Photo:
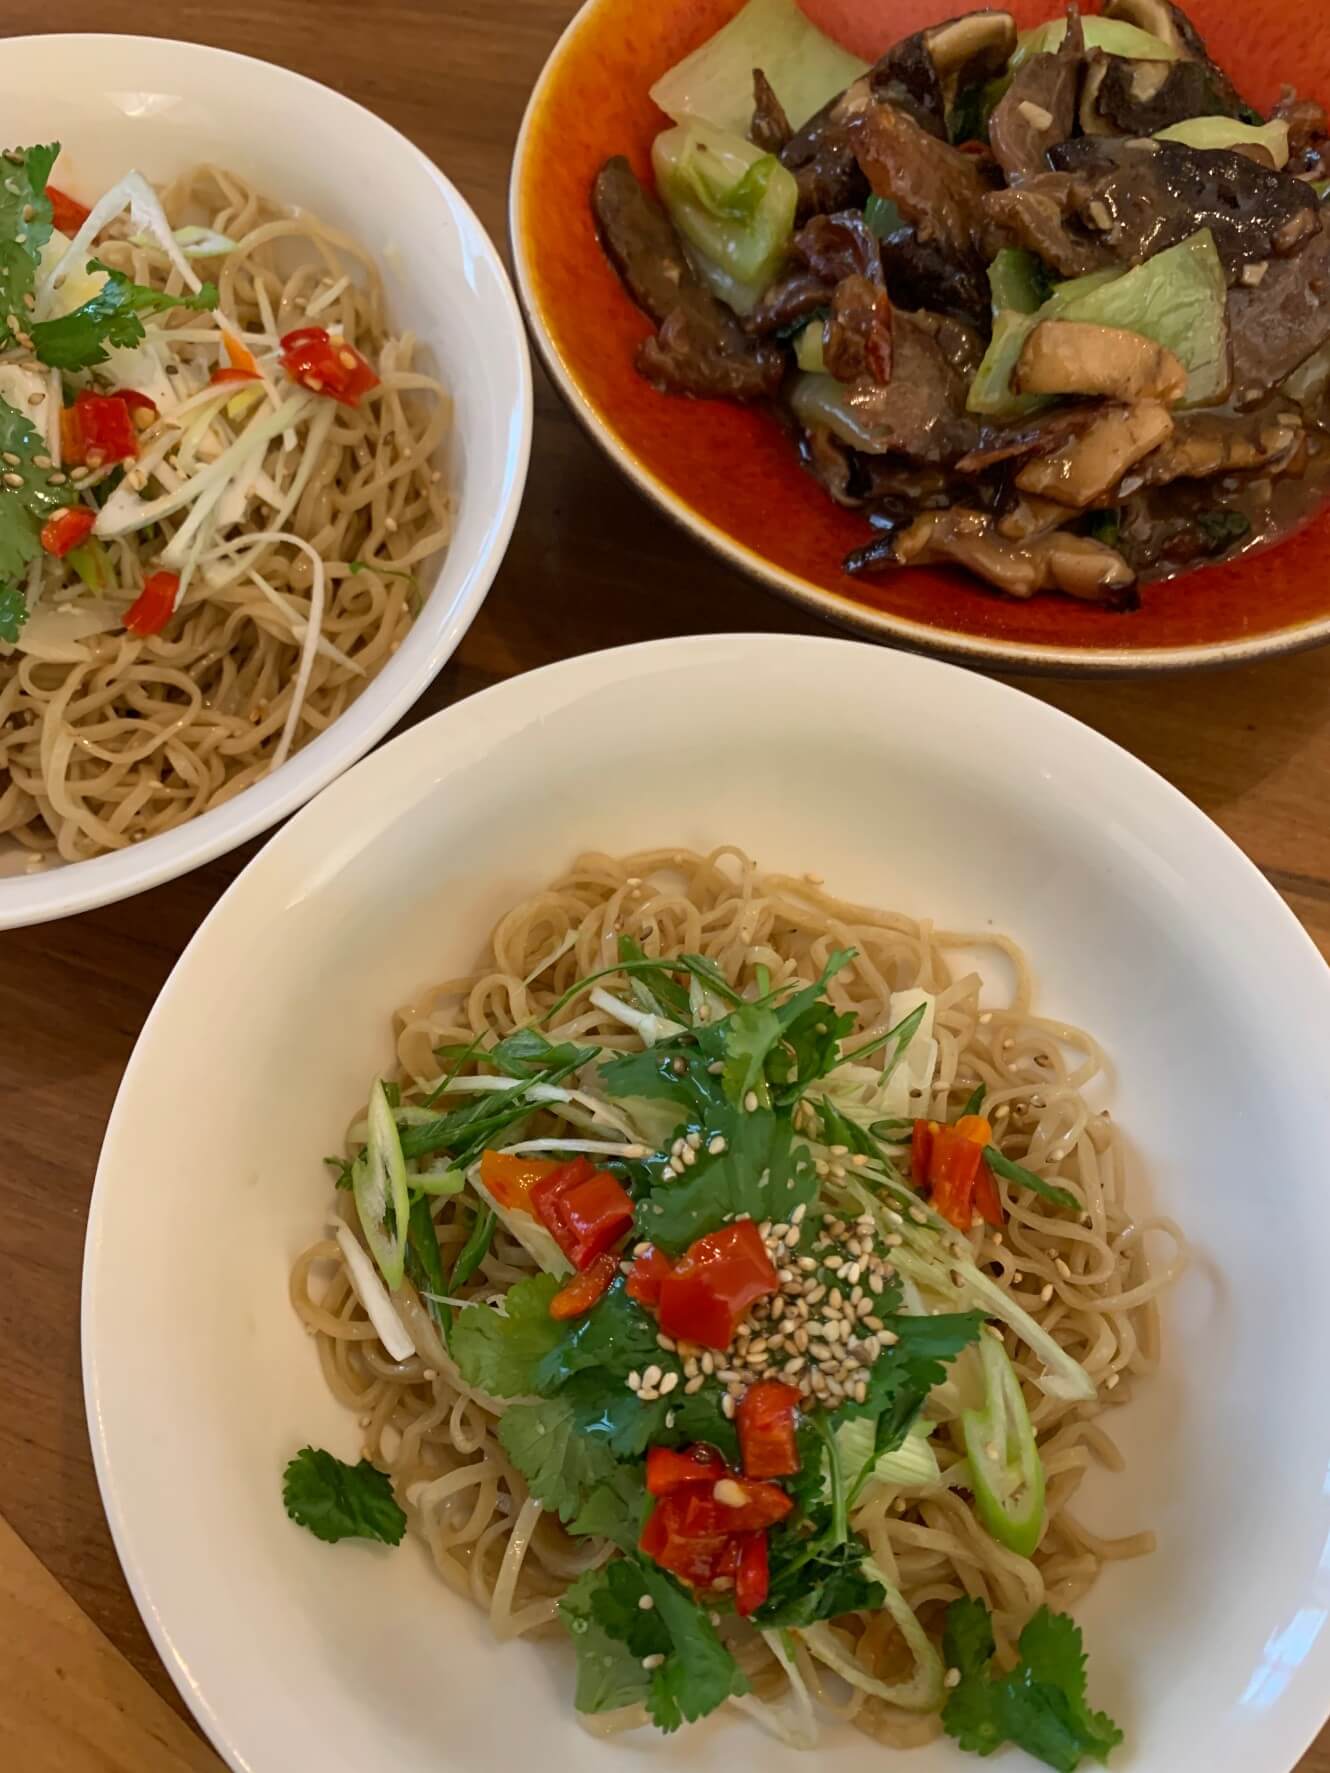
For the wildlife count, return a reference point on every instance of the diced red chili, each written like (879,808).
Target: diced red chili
(67,212)
(509,1178)
(325,365)
(767,1429)
(701,1513)
(948,1161)
(715,1283)
(648,1271)
(152,609)
(65,529)
(668,1469)
(585,1210)
(586,1289)
(987,1200)
(753,1582)
(697,1561)
(98,431)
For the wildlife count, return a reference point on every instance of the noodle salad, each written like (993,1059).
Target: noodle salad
(217,479)
(718,1279)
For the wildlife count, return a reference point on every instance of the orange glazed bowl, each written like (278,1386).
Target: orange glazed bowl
(730,474)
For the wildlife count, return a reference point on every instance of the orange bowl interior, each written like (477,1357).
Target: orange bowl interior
(734,467)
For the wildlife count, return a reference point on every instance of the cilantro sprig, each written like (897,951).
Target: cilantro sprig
(1039,1705)
(23,509)
(25,227)
(665,1654)
(108,320)
(340,1501)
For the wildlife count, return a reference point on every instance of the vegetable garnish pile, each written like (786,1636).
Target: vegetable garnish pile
(758,1315)
(1051,306)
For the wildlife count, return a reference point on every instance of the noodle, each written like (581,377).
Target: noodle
(1088,1281)
(119,738)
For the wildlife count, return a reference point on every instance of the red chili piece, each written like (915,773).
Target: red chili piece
(649,1269)
(767,1415)
(99,431)
(585,1210)
(152,609)
(67,212)
(324,365)
(722,1275)
(586,1289)
(65,529)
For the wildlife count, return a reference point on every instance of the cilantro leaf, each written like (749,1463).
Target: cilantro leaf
(612,1632)
(25,225)
(904,1374)
(1040,1705)
(110,318)
(609,1676)
(757,1174)
(750,1034)
(340,1501)
(698,1673)
(499,1352)
(13,605)
(614,1337)
(527,1054)
(23,509)
(807,1588)
(615,1509)
(561,1463)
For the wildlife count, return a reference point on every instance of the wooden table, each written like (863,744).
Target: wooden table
(592,565)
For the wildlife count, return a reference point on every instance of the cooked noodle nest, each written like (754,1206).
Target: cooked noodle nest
(107,739)
(1090,1282)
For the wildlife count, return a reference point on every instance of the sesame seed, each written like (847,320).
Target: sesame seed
(952,1678)
(652,1376)
(695,1384)
(797,1216)
(716,1145)
(669,1418)
(1062,1268)
(668,1383)
(649,1395)
(655,1660)
(1046,1293)
(750,1102)
(708,1362)
(919,1216)
(14,460)
(839,1150)
(1017,1278)
(797,1365)
(12,479)
(666,1342)
(645,1602)
(729,1494)
(727,1407)
(1111,1381)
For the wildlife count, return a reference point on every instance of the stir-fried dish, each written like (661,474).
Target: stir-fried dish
(1053,307)
(715,1276)
(218,478)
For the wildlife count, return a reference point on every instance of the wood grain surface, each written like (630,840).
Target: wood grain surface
(592,565)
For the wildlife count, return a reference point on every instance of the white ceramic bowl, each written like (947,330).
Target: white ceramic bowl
(905,783)
(160,106)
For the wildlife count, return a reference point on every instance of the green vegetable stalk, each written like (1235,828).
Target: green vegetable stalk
(733,205)
(1007,1472)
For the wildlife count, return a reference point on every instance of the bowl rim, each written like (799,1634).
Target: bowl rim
(1290,945)
(63,890)
(1032,658)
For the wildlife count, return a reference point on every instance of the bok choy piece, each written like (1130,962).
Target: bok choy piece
(1113,35)
(1007,1474)
(733,204)
(715,83)
(1178,299)
(380,1186)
